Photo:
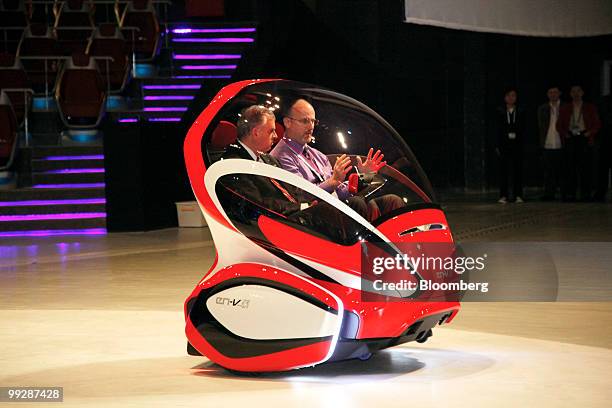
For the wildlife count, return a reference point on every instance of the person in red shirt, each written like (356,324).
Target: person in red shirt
(578,125)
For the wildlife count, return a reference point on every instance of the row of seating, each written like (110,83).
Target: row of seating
(37,65)
(74,27)
(22,12)
(80,91)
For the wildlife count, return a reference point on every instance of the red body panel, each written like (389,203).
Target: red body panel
(345,258)
(398,224)
(193,147)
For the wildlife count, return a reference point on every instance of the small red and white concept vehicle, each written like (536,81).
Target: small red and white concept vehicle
(285,289)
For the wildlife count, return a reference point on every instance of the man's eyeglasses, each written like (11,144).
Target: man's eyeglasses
(306,121)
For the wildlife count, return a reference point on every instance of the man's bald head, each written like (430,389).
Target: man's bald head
(300,122)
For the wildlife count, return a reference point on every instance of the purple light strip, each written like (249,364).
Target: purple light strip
(86,157)
(74,171)
(46,217)
(203,67)
(164,109)
(31,203)
(214,40)
(212,30)
(128,120)
(164,119)
(206,56)
(169,98)
(73,185)
(54,233)
(202,76)
(152,87)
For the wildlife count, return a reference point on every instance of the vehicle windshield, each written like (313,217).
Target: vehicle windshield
(345,126)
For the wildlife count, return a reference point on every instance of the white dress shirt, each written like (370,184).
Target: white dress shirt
(553,140)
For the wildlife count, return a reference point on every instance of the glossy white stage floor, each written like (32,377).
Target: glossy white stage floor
(101,317)
(137,358)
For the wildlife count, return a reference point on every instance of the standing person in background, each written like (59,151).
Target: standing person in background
(578,125)
(550,142)
(509,121)
(604,150)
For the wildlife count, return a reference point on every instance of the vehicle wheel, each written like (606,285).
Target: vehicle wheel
(365,357)
(423,337)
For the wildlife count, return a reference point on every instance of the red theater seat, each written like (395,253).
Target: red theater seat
(80,93)
(209,8)
(224,134)
(74,25)
(108,41)
(15,15)
(141,14)
(13,76)
(8,132)
(280,132)
(38,40)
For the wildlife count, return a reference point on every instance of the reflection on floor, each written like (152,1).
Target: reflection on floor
(101,316)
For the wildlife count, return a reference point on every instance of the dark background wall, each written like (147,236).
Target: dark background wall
(437,87)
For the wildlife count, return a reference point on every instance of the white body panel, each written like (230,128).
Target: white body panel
(264,313)
(243,166)
(244,250)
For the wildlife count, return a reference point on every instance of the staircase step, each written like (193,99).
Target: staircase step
(148,103)
(25,194)
(53,232)
(40,179)
(53,209)
(72,152)
(62,224)
(46,165)
(157,116)
(212,24)
(176,93)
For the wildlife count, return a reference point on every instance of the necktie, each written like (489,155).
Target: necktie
(313,164)
(278,185)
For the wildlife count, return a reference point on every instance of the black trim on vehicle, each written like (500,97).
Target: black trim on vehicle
(234,346)
(351,348)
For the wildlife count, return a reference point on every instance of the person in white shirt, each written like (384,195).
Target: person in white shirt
(550,142)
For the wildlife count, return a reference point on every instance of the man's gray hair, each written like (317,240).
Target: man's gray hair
(252,117)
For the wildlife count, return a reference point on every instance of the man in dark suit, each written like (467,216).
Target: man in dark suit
(256,132)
